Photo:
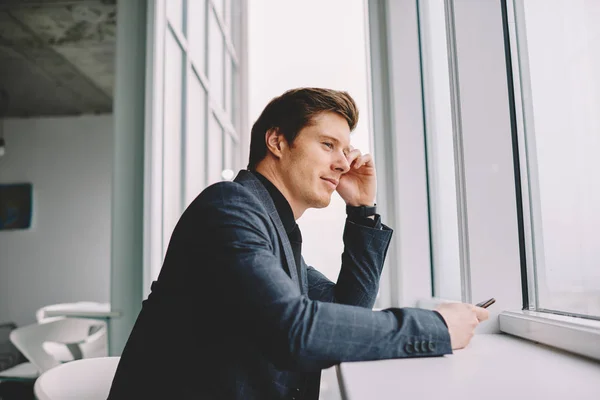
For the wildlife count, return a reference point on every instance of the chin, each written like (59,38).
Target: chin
(322,202)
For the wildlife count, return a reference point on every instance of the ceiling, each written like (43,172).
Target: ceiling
(56,57)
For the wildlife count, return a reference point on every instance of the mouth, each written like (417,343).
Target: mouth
(332,182)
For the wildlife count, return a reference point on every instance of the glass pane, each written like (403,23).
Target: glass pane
(561,98)
(440,152)
(215,59)
(234,25)
(195,139)
(197,33)
(228,146)
(228,5)
(219,6)
(215,150)
(172,137)
(228,83)
(235,104)
(175,14)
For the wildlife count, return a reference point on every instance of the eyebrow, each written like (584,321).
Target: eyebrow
(325,136)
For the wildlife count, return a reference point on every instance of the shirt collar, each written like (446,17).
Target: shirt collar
(281,204)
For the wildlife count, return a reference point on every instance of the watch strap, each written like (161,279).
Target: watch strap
(361,211)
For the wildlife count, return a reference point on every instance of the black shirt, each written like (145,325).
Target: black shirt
(287,218)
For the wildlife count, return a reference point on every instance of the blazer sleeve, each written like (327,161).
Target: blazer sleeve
(364,253)
(293,331)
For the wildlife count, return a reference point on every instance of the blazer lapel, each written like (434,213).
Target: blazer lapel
(247,179)
(287,248)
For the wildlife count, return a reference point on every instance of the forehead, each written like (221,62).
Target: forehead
(332,125)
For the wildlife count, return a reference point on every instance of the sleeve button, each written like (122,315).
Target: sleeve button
(417,347)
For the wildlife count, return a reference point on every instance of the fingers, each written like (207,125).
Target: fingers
(356,159)
(481,313)
(353,155)
(365,159)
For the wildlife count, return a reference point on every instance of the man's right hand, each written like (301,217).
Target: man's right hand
(462,319)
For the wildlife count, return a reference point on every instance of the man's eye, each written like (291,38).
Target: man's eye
(329,145)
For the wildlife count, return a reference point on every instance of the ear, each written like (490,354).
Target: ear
(275,142)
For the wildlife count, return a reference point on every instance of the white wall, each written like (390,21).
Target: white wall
(65,255)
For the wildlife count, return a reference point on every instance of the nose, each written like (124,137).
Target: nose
(341,163)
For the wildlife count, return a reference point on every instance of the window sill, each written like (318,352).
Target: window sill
(492,366)
(576,335)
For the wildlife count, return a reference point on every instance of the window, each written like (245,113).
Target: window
(196,96)
(172,136)
(558,52)
(469,212)
(201,65)
(442,156)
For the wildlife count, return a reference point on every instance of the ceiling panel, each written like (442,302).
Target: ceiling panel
(57,57)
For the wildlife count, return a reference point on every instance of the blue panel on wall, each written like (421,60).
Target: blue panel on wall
(15,206)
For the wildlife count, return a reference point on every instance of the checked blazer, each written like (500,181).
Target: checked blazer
(229,317)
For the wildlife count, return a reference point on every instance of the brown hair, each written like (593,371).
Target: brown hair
(294,110)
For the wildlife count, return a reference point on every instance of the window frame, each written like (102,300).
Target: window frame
(233,122)
(399,150)
(575,334)
(497,231)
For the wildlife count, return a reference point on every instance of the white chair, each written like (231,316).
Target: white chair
(83,306)
(78,337)
(96,345)
(30,339)
(88,379)
(26,372)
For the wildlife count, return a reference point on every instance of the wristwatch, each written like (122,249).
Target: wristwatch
(361,211)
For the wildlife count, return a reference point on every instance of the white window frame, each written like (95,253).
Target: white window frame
(574,334)
(157,27)
(496,253)
(153,157)
(399,150)
(483,110)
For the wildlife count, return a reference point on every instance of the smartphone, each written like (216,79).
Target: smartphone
(487,303)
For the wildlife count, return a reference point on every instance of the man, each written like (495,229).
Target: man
(237,314)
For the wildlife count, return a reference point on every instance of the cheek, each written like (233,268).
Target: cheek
(306,169)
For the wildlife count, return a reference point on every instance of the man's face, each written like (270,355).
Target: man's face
(311,168)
